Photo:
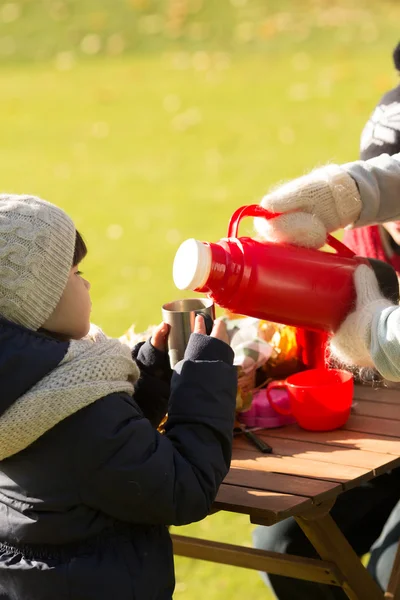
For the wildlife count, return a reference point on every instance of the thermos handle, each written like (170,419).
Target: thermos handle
(250,210)
(255,210)
(339,246)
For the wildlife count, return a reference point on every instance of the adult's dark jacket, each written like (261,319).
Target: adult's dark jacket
(381,133)
(84,509)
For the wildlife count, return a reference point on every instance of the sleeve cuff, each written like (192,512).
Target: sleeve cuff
(151,357)
(204,347)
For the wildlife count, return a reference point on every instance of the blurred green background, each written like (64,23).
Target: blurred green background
(152,121)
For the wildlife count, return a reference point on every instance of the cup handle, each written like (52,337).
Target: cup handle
(273,386)
(208,321)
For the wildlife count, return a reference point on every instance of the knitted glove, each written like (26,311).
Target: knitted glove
(325,200)
(351,343)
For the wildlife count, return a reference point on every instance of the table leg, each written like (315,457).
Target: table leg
(332,546)
(393,590)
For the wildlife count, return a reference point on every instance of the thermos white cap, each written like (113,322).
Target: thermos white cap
(192,265)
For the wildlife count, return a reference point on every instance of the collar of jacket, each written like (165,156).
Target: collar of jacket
(26,356)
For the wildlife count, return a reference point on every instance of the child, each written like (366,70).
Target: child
(87,484)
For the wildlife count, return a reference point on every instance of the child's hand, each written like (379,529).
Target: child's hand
(219,330)
(199,325)
(160,337)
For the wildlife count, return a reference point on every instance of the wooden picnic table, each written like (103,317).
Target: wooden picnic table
(302,478)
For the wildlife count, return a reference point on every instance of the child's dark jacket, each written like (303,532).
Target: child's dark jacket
(84,509)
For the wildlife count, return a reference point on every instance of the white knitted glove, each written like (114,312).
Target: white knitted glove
(351,343)
(328,195)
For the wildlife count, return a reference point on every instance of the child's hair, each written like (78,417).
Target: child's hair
(80,250)
(79,254)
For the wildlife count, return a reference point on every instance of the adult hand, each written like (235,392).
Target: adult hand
(160,337)
(322,201)
(220,331)
(351,343)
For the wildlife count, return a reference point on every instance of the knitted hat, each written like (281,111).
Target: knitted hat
(37,244)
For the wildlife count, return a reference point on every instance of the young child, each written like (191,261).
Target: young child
(87,484)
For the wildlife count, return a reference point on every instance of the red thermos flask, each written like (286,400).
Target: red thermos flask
(288,284)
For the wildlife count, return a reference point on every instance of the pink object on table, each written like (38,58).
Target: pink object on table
(261,413)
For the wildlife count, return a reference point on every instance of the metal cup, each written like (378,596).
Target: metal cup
(180,315)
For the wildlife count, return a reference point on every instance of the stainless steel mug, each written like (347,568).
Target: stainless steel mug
(180,315)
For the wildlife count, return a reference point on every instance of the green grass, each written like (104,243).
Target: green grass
(164,139)
(195,579)
(144,155)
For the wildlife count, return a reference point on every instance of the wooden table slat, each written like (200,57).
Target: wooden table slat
(377,394)
(286,484)
(380,410)
(273,506)
(344,474)
(341,438)
(373,425)
(318,452)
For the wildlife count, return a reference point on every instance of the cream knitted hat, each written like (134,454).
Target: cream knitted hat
(37,244)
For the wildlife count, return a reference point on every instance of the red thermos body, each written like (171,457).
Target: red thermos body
(310,289)
(278,282)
